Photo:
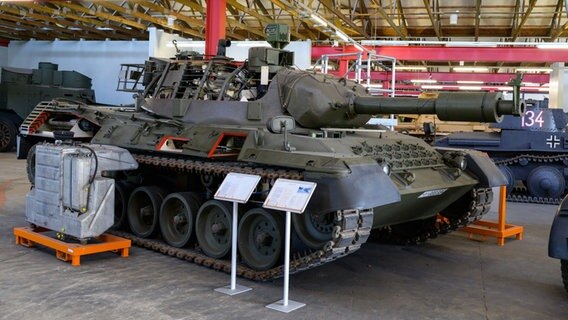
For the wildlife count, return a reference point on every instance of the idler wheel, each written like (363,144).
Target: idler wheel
(315,230)
(261,238)
(213,228)
(546,182)
(122,191)
(508,173)
(177,217)
(143,207)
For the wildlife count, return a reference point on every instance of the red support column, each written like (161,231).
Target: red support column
(216,19)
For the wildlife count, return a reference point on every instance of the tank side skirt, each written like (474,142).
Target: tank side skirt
(353,226)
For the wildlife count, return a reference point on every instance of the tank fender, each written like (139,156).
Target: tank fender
(367,186)
(11,116)
(482,167)
(558,240)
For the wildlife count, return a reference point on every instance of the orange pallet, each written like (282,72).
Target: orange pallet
(499,229)
(65,251)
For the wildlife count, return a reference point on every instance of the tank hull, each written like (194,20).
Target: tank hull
(200,120)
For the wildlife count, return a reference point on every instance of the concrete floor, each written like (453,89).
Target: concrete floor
(451,277)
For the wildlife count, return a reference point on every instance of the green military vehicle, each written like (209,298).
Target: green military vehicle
(201,118)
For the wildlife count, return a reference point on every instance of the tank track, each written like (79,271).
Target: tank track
(351,231)
(521,194)
(416,232)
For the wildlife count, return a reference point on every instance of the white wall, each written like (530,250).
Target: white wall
(161,46)
(99,60)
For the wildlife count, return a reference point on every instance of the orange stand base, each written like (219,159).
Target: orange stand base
(499,229)
(64,251)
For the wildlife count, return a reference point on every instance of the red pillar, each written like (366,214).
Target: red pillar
(215,24)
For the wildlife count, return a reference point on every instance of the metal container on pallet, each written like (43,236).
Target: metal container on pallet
(70,193)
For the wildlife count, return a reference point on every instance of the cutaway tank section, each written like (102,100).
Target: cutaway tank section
(22,89)
(202,118)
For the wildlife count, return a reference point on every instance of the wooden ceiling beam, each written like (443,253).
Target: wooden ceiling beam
(329,4)
(260,17)
(262,8)
(29,31)
(55,23)
(20,34)
(54,12)
(477,18)
(104,15)
(555,23)
(402,24)
(517,30)
(144,17)
(433,20)
(366,18)
(59,9)
(193,5)
(290,8)
(398,31)
(103,23)
(36,25)
(189,21)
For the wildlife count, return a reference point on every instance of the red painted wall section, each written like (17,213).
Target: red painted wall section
(4,42)
(441,53)
(216,20)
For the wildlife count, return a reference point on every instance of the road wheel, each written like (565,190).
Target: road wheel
(7,135)
(213,228)
(143,208)
(261,238)
(177,217)
(546,182)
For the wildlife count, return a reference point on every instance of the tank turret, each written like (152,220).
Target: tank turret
(317,101)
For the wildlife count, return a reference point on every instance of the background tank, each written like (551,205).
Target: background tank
(22,89)
(200,119)
(531,151)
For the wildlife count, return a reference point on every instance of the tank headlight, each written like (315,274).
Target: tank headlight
(386,168)
(456,160)
(461,162)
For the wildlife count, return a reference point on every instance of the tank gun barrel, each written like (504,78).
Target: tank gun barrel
(462,106)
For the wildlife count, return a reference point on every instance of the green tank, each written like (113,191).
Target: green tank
(200,119)
(22,89)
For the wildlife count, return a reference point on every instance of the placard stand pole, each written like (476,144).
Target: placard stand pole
(234,289)
(286,305)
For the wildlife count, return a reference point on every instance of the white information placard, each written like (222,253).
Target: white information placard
(290,195)
(237,187)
